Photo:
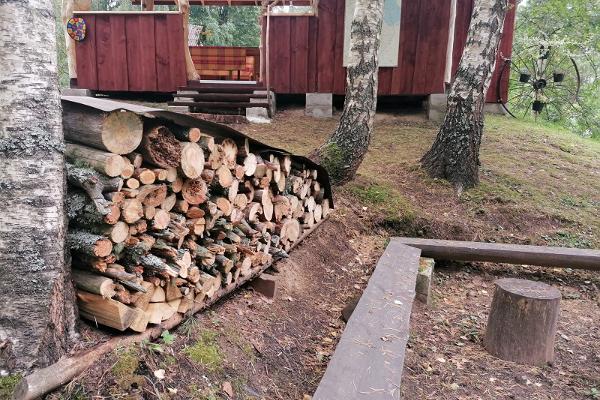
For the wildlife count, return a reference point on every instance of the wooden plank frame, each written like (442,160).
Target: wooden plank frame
(369,359)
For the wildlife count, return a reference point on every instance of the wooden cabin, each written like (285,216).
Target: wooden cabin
(299,53)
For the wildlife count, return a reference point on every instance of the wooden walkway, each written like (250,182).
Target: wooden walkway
(368,361)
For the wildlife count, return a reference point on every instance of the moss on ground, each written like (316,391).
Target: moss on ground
(124,369)
(8,384)
(206,351)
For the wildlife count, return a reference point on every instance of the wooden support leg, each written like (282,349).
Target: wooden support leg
(184,8)
(68,7)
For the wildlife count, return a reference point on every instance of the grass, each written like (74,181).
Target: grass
(8,384)
(206,352)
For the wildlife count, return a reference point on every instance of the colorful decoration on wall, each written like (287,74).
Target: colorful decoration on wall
(76,28)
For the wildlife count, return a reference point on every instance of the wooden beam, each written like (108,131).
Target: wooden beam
(368,361)
(217,104)
(506,253)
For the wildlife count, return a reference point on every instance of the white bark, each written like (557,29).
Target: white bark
(346,148)
(37,313)
(455,153)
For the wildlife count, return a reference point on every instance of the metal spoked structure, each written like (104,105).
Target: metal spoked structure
(543,83)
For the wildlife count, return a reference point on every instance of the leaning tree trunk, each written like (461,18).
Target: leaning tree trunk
(37,315)
(455,153)
(344,151)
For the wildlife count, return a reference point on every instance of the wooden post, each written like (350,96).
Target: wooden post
(523,321)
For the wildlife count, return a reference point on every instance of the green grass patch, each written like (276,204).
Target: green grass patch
(206,351)
(397,214)
(8,384)
(568,239)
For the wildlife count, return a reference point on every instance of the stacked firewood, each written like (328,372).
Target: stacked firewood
(163,217)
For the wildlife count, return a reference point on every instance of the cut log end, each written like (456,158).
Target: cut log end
(523,321)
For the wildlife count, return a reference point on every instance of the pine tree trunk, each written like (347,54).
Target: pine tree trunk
(455,153)
(37,315)
(346,148)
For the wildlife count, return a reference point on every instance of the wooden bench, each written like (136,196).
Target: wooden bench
(232,63)
(506,253)
(368,361)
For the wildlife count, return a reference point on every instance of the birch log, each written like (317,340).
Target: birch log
(344,151)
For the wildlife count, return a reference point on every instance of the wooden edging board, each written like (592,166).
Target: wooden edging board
(506,253)
(368,360)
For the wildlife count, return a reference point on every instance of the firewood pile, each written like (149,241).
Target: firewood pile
(164,217)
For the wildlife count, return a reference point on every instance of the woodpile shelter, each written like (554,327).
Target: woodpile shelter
(303,49)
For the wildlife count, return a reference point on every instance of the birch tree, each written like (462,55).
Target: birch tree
(37,312)
(455,153)
(344,151)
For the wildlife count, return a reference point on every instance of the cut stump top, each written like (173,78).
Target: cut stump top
(528,289)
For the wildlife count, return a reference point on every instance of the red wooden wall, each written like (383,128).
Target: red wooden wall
(307,52)
(136,52)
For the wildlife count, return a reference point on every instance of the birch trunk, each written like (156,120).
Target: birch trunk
(455,153)
(344,151)
(37,315)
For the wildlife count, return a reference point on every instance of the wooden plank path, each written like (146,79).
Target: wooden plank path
(506,253)
(368,361)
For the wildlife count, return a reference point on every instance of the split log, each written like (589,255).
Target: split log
(523,321)
(118,132)
(141,320)
(152,195)
(192,160)
(224,175)
(132,210)
(103,311)
(158,295)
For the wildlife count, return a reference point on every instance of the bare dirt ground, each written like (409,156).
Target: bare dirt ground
(538,186)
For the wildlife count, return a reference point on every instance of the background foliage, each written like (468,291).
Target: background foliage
(574,27)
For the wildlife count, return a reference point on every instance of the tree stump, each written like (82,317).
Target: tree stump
(523,321)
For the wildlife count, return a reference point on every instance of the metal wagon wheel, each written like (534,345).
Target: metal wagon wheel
(543,83)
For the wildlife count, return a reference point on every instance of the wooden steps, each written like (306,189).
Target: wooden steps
(368,360)
(221,98)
